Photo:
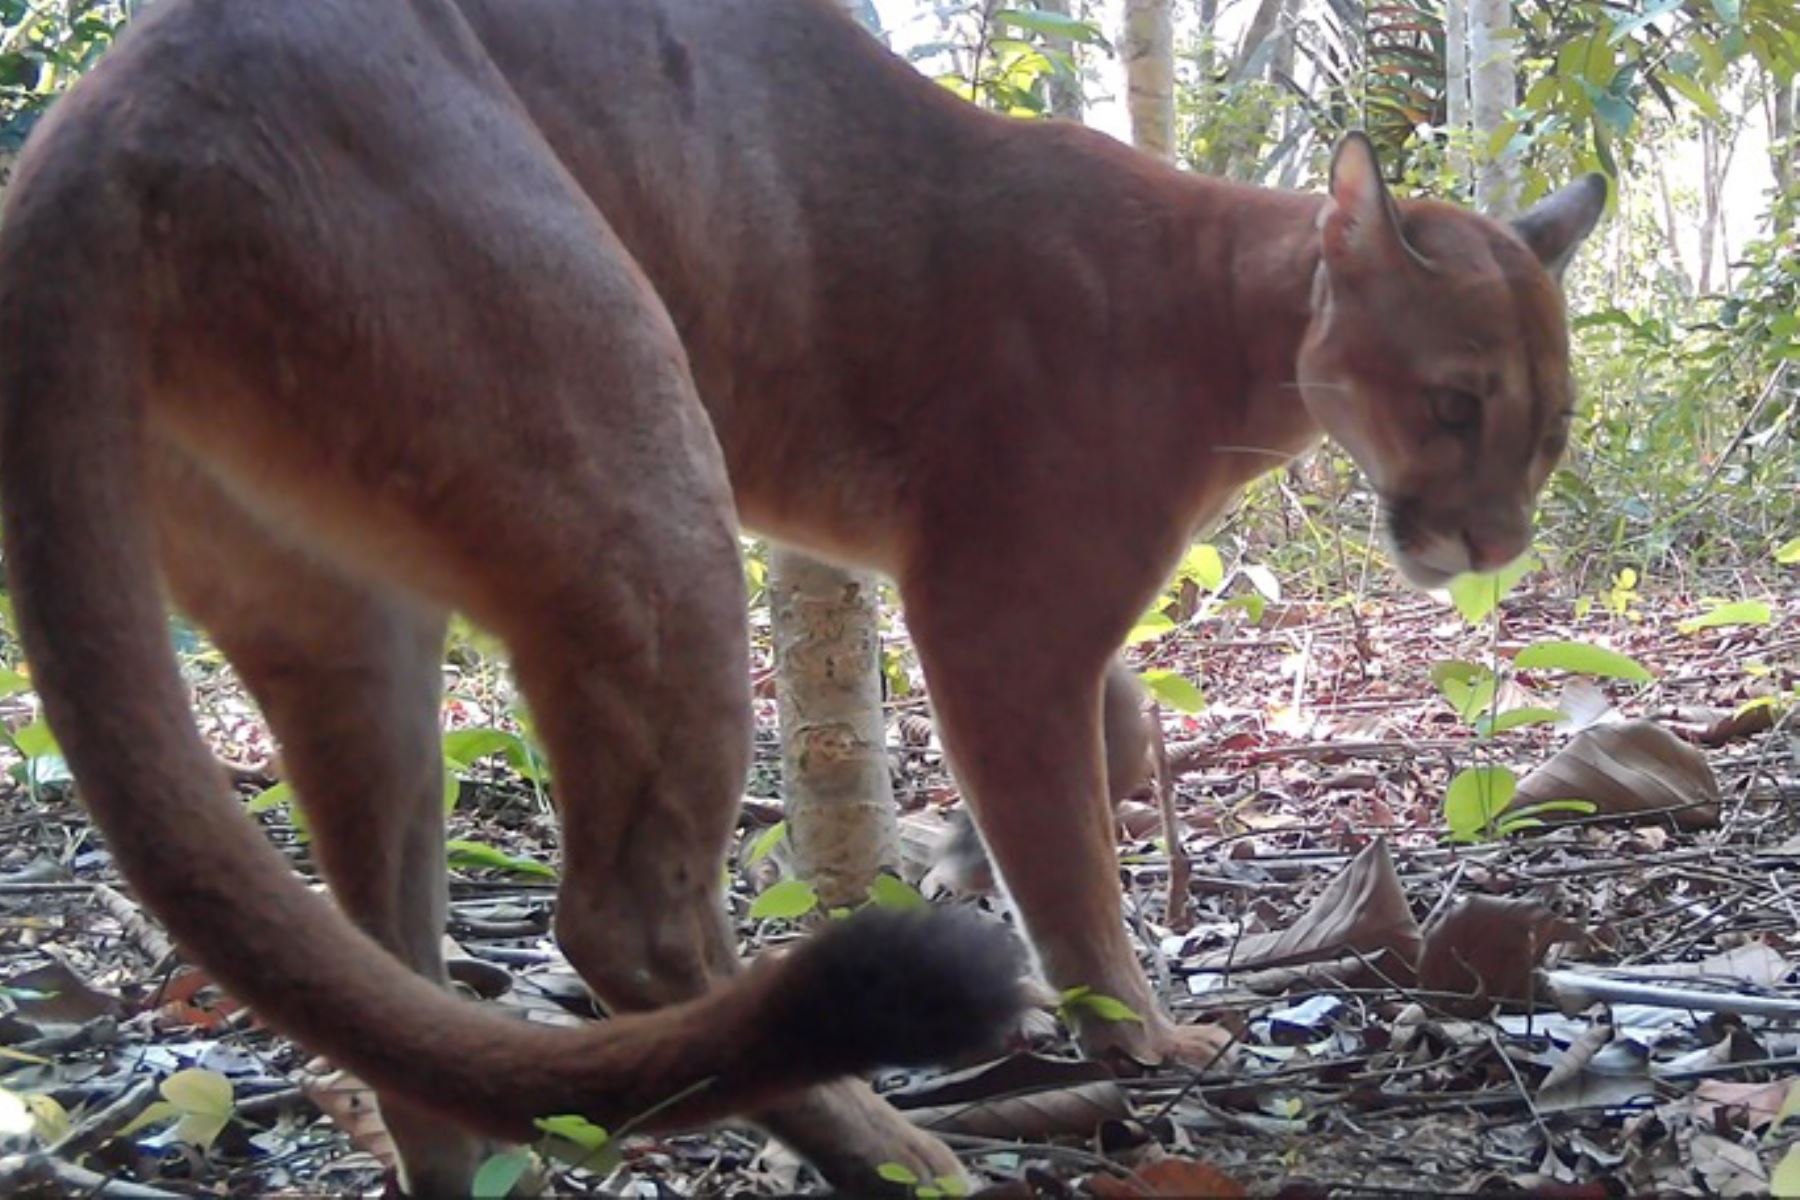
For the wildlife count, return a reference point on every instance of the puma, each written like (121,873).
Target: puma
(335,317)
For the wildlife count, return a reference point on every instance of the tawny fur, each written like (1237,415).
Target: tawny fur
(342,315)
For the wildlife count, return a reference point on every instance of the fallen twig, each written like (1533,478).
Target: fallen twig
(1180,868)
(41,1175)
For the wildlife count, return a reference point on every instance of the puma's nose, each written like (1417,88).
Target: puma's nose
(1489,550)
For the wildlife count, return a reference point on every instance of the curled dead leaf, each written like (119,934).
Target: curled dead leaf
(1363,910)
(1625,768)
(350,1104)
(1488,949)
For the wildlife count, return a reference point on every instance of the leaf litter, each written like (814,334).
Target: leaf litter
(1604,1003)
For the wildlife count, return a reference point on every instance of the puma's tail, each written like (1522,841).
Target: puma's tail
(74,373)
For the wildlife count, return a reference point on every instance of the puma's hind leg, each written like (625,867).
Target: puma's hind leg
(348,675)
(646,719)
(1026,744)
(963,866)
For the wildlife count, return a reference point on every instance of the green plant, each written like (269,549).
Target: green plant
(1004,58)
(936,1189)
(1478,804)
(200,1103)
(1076,1001)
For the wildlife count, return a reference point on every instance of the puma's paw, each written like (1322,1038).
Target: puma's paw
(849,1133)
(1158,1042)
(1201,1047)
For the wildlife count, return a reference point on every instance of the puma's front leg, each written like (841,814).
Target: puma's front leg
(1020,714)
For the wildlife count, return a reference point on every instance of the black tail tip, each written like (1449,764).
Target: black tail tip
(888,988)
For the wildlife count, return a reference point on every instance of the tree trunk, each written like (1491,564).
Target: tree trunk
(1263,23)
(1065,92)
(1782,151)
(1718,146)
(1206,47)
(1672,229)
(1493,88)
(834,765)
(834,768)
(1456,88)
(1148,49)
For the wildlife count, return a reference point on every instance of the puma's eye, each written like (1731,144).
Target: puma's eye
(1456,410)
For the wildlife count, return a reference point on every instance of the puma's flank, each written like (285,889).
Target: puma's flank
(336,316)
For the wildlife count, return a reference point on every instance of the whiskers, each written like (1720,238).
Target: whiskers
(1297,386)
(1266,451)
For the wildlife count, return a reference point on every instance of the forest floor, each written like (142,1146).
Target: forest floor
(1606,1004)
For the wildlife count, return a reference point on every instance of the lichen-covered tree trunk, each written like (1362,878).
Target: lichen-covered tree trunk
(1148,48)
(1493,88)
(1456,86)
(834,767)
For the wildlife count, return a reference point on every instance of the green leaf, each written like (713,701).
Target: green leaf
(1584,808)
(1079,999)
(1517,718)
(12,683)
(1253,605)
(895,1172)
(765,843)
(1475,798)
(1476,596)
(1150,626)
(785,900)
(271,797)
(465,747)
(36,741)
(1175,690)
(1051,24)
(1469,688)
(471,856)
(199,1091)
(1788,554)
(1582,658)
(1631,25)
(1784,1181)
(1741,612)
(155,1113)
(577,1129)
(499,1174)
(1203,565)
(202,1103)
(890,891)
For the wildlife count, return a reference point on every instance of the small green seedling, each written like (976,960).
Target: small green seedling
(1077,1001)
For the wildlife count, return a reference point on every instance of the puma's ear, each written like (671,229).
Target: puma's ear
(1360,225)
(1559,223)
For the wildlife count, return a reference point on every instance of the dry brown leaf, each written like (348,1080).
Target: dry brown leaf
(54,992)
(1488,949)
(1753,1105)
(350,1103)
(1581,1051)
(1739,725)
(1169,1177)
(1364,909)
(1727,1168)
(1002,1077)
(1065,1112)
(1624,768)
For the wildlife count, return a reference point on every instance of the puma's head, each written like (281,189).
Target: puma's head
(1438,357)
